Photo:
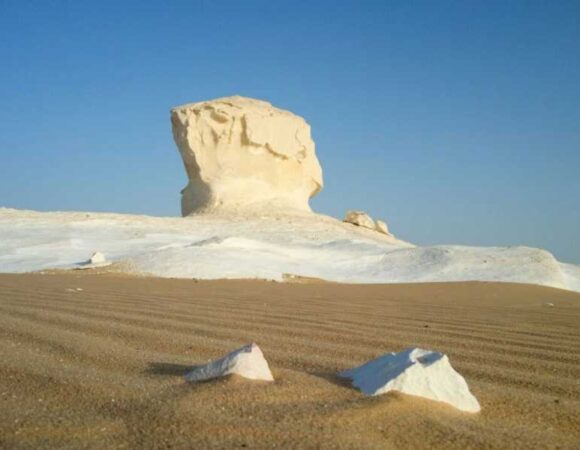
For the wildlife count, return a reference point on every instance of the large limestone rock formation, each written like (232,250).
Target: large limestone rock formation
(242,154)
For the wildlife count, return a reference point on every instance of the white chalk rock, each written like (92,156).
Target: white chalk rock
(240,153)
(247,362)
(97,259)
(417,372)
(381,227)
(360,218)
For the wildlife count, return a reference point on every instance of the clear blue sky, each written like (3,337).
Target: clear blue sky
(456,122)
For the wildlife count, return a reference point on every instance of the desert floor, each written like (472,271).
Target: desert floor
(103,367)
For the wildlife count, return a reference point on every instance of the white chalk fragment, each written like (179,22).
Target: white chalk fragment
(97,259)
(414,371)
(247,362)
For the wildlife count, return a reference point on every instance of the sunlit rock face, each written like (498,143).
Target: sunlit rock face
(247,362)
(244,154)
(423,373)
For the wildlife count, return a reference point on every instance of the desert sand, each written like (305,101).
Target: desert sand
(97,361)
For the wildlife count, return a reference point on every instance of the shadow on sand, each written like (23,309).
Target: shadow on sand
(169,369)
(333,378)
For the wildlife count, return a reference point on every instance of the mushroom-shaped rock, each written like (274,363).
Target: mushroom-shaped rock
(360,218)
(240,153)
(247,362)
(414,371)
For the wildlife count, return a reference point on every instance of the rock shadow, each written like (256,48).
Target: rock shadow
(169,369)
(334,378)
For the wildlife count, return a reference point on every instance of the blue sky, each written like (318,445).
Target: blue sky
(456,122)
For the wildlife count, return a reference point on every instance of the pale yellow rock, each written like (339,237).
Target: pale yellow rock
(360,218)
(381,227)
(243,154)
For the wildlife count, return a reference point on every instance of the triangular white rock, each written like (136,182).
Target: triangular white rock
(414,371)
(247,362)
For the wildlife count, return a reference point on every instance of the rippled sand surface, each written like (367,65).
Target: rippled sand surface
(96,361)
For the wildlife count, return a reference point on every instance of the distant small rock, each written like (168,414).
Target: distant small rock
(381,227)
(247,362)
(414,371)
(97,259)
(360,218)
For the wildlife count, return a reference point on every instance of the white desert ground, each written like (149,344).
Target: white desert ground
(113,326)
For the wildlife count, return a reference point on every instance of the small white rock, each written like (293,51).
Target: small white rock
(414,371)
(97,258)
(247,362)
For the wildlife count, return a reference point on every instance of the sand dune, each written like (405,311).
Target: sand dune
(102,367)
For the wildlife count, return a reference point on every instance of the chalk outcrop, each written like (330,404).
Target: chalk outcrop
(247,362)
(415,371)
(362,219)
(240,153)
